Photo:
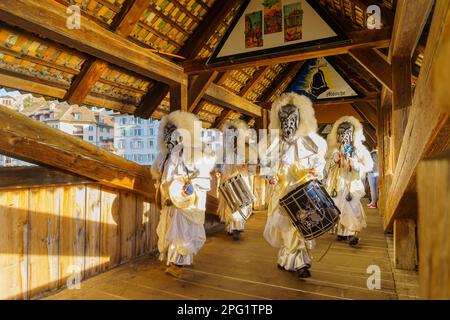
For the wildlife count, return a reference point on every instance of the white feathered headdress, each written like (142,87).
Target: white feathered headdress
(358,139)
(308,122)
(190,125)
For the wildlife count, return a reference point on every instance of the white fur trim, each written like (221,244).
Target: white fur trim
(358,138)
(308,122)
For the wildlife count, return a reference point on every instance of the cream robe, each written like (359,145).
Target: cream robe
(294,252)
(181,232)
(352,219)
(234,220)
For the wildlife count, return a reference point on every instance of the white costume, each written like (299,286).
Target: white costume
(233,165)
(181,230)
(341,181)
(292,167)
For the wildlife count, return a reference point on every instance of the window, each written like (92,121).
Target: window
(151,144)
(123,120)
(123,132)
(121,144)
(101,129)
(91,128)
(108,130)
(91,138)
(77,116)
(151,131)
(139,144)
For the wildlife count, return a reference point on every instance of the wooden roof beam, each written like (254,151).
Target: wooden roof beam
(90,73)
(359,39)
(29,84)
(254,80)
(220,120)
(289,71)
(367,113)
(48,19)
(375,65)
(190,50)
(32,141)
(206,28)
(198,88)
(223,97)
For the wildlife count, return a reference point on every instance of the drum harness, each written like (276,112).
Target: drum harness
(284,147)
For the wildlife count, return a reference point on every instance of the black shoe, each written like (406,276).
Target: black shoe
(280,267)
(236,235)
(341,238)
(303,273)
(353,241)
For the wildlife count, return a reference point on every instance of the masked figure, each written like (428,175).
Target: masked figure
(348,160)
(294,157)
(236,160)
(182,183)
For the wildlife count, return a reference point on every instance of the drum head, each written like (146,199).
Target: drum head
(311,209)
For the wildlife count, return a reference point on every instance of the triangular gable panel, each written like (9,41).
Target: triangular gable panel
(319,80)
(273,27)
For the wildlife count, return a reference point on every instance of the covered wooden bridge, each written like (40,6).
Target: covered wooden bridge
(84,212)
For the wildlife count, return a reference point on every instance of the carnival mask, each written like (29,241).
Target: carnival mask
(171,136)
(289,122)
(345,133)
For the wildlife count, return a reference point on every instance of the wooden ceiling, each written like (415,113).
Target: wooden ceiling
(47,64)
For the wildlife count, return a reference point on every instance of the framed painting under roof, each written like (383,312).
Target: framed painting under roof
(321,81)
(288,26)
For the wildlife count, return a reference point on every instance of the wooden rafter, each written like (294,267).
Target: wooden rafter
(85,80)
(48,19)
(125,21)
(152,100)
(223,97)
(289,71)
(198,88)
(206,28)
(29,84)
(367,112)
(375,65)
(190,49)
(254,80)
(220,120)
(359,39)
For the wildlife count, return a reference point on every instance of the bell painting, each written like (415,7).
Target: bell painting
(293,21)
(273,16)
(318,80)
(253,30)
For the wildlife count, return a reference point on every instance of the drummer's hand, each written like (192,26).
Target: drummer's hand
(337,157)
(168,203)
(273,180)
(313,172)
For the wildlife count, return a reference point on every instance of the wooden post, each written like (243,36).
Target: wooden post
(433,181)
(178,97)
(405,249)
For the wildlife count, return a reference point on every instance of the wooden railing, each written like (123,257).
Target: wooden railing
(57,228)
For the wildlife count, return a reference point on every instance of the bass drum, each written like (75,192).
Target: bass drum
(311,209)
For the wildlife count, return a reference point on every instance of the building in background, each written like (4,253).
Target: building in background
(78,121)
(136,139)
(8,101)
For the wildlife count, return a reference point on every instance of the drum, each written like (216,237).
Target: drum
(237,194)
(311,209)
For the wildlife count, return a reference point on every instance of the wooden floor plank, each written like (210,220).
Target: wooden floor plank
(246,269)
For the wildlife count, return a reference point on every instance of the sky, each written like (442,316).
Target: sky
(3,92)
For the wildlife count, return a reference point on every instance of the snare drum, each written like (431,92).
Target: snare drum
(311,209)
(237,194)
